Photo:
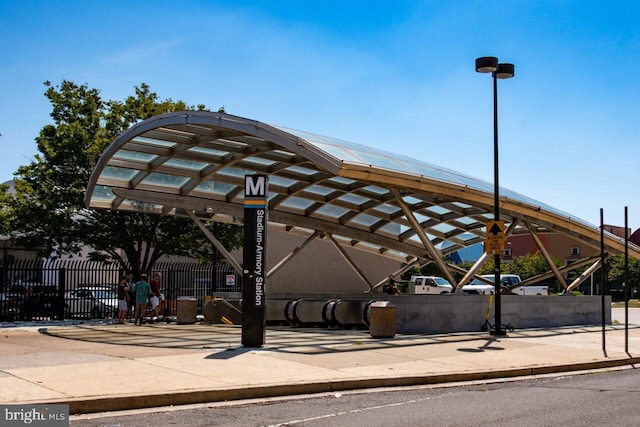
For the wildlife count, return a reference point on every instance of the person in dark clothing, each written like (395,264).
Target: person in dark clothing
(393,289)
(131,298)
(142,292)
(123,294)
(155,297)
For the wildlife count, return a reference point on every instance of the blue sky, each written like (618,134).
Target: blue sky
(397,76)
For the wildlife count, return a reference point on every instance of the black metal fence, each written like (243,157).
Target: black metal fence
(63,289)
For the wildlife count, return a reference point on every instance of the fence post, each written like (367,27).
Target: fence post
(3,275)
(61,291)
(167,282)
(218,278)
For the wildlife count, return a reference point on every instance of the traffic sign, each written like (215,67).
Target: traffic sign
(494,237)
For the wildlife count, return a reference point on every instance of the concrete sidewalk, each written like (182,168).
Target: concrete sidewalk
(105,367)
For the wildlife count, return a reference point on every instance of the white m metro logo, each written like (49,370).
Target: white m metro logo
(255,186)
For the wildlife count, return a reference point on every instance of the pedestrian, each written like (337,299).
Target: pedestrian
(123,295)
(155,295)
(394,290)
(131,298)
(142,292)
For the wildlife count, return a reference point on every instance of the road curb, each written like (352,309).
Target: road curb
(126,402)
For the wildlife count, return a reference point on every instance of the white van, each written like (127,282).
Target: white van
(480,287)
(434,285)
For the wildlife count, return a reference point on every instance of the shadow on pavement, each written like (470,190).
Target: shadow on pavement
(224,337)
(282,339)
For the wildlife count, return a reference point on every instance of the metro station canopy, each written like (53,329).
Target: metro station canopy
(193,163)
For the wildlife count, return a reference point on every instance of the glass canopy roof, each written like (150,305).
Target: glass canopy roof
(360,196)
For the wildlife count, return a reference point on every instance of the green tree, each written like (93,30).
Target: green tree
(5,210)
(526,266)
(531,265)
(616,272)
(49,209)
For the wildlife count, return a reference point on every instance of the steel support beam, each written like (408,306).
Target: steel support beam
(396,273)
(435,255)
(581,278)
(350,261)
(292,254)
(473,270)
(209,235)
(546,255)
(234,211)
(549,274)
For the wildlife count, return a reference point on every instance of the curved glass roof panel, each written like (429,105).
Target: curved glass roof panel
(235,172)
(207,151)
(331,211)
(153,141)
(281,181)
(297,203)
(366,220)
(164,180)
(369,197)
(113,172)
(354,199)
(133,156)
(319,189)
(102,192)
(186,164)
(386,209)
(215,187)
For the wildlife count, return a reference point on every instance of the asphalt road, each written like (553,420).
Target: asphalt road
(603,398)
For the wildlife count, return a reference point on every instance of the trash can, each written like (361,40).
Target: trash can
(186,310)
(382,319)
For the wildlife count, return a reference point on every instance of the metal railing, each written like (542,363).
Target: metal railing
(40,289)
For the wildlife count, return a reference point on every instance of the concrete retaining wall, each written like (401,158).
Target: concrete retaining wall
(434,314)
(467,313)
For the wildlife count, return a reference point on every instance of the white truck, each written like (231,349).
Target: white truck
(423,285)
(481,287)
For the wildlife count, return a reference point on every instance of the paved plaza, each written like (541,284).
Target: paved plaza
(97,367)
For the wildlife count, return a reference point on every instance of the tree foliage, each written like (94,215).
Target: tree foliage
(616,271)
(49,211)
(5,210)
(525,266)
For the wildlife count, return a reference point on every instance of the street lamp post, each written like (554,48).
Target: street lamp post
(489,64)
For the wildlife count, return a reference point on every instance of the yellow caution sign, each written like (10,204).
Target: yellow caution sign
(494,237)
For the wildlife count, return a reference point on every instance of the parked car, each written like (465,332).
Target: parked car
(96,302)
(617,292)
(508,286)
(34,299)
(10,307)
(422,285)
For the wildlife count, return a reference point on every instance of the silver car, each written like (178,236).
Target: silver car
(95,302)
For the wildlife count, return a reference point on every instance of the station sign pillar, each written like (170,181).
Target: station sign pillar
(254,277)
